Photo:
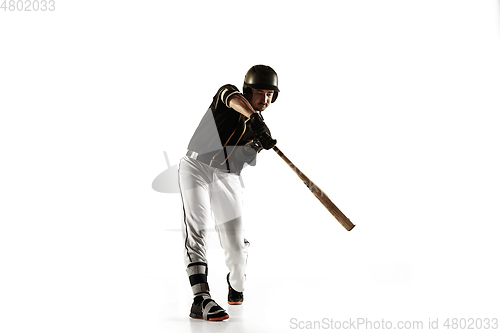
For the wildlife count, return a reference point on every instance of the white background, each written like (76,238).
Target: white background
(391,107)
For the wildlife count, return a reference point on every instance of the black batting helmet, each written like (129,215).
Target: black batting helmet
(261,77)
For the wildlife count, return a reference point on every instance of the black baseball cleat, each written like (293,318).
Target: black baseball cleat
(205,308)
(234,297)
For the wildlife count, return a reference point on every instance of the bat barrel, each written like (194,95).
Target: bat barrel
(318,193)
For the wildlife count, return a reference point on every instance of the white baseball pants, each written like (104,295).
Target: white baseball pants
(210,194)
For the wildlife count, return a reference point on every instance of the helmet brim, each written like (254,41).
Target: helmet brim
(262,86)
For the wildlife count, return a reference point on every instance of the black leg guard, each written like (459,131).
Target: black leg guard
(197,273)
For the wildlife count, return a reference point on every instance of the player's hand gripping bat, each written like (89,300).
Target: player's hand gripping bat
(318,193)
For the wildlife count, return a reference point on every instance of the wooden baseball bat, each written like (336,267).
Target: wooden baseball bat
(318,193)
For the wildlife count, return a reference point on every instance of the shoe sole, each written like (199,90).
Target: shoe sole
(235,303)
(212,319)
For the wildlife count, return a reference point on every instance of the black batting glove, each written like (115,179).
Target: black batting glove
(267,141)
(257,124)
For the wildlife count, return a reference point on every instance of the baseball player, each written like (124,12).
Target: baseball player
(228,138)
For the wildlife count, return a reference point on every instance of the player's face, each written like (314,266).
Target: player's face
(261,99)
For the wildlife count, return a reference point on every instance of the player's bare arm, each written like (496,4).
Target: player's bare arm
(239,103)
